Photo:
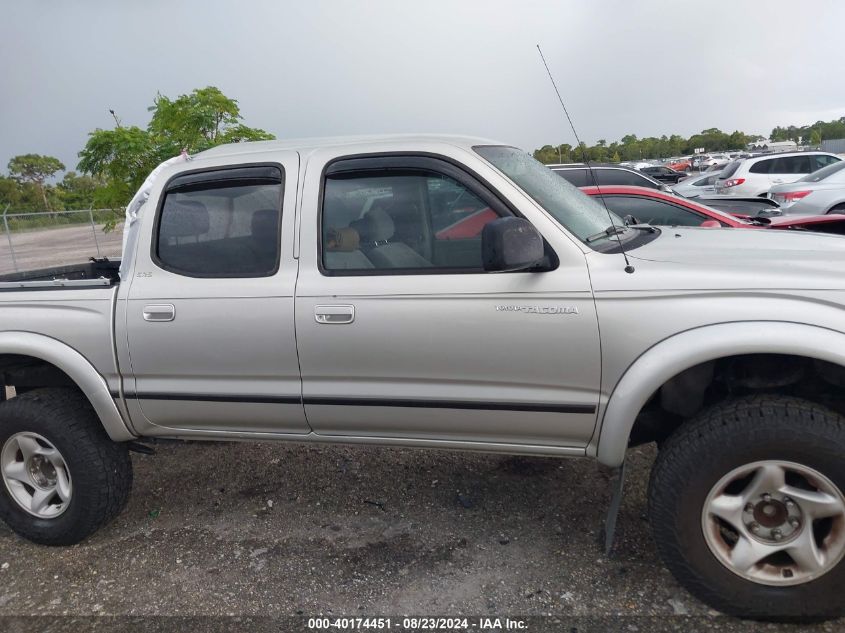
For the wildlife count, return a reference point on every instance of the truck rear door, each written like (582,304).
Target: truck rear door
(209,314)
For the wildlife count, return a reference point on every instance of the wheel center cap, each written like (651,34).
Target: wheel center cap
(770,513)
(773,519)
(43,473)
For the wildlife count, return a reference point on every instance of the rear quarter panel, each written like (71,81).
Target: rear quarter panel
(79,318)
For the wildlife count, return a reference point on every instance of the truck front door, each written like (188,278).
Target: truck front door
(403,335)
(209,315)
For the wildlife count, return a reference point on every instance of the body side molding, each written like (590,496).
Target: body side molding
(586,409)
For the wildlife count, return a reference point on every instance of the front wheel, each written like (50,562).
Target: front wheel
(62,477)
(747,508)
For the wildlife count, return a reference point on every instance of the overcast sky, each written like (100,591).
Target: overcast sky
(316,68)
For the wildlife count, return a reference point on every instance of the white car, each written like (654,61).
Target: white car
(755,176)
(709,160)
(698,185)
(637,164)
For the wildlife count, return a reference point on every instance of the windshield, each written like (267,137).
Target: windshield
(824,172)
(730,169)
(576,211)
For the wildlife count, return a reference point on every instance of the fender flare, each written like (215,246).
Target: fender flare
(681,351)
(78,369)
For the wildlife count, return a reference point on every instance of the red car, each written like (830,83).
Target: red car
(650,206)
(681,165)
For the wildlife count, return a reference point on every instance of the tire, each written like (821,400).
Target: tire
(100,470)
(839,208)
(729,438)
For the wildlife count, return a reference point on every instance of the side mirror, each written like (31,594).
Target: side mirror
(509,244)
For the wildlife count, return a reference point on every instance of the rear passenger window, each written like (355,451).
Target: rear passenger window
(761,167)
(608,177)
(823,161)
(791,165)
(412,221)
(224,223)
(576,177)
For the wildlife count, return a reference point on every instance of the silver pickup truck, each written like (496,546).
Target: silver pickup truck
(451,293)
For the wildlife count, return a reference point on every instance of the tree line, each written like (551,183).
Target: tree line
(631,148)
(114,162)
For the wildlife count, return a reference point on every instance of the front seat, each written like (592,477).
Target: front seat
(376,229)
(342,250)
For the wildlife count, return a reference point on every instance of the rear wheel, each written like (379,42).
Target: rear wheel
(747,508)
(839,208)
(63,477)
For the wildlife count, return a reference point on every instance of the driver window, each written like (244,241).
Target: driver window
(416,221)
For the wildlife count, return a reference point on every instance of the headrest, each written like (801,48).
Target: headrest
(185,218)
(343,240)
(264,223)
(379,225)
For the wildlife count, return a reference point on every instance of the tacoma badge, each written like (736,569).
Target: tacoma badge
(539,309)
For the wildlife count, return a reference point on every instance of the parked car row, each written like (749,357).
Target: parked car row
(805,183)
(647,206)
(638,196)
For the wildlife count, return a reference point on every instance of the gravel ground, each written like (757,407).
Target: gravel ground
(238,529)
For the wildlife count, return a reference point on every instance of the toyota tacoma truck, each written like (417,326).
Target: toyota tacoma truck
(324,291)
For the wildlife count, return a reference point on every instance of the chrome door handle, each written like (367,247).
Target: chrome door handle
(160,312)
(335,315)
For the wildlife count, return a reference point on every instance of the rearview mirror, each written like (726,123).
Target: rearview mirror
(509,244)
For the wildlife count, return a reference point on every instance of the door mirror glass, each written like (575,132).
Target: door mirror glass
(509,244)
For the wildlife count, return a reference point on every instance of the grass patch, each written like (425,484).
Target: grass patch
(58,219)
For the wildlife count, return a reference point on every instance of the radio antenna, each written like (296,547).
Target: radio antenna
(628,267)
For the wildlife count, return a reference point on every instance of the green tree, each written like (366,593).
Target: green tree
(77,191)
(199,120)
(632,148)
(35,169)
(551,154)
(122,158)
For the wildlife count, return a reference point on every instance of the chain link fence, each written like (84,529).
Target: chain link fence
(44,239)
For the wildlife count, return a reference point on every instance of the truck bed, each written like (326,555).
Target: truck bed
(93,273)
